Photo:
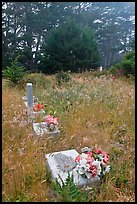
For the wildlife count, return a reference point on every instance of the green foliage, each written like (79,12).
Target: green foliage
(15,72)
(70,47)
(113,68)
(68,192)
(62,77)
(128,63)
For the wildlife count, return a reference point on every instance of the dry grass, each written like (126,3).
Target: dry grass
(92,112)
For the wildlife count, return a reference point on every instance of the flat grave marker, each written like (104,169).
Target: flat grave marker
(60,167)
(42,129)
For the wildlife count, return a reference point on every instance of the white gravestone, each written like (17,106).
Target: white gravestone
(100,69)
(29,95)
(42,129)
(59,166)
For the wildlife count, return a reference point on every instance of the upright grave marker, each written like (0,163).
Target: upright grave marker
(100,69)
(29,95)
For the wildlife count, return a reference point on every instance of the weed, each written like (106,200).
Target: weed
(69,192)
(92,111)
(62,77)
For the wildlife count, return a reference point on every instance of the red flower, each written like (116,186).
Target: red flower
(93,170)
(38,107)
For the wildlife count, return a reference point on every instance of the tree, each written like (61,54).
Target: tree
(26,25)
(70,47)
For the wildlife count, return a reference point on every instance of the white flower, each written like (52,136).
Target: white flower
(83,155)
(83,162)
(107,169)
(98,166)
(86,167)
(80,169)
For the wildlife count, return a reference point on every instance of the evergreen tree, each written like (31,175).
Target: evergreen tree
(70,47)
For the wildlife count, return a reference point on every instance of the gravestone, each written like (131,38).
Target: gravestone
(41,129)
(60,171)
(100,69)
(29,94)
(65,163)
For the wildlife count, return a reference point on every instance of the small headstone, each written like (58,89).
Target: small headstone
(65,163)
(29,95)
(42,129)
(100,69)
(56,168)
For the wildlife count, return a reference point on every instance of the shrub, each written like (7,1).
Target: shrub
(115,67)
(126,66)
(62,77)
(15,72)
(37,79)
(128,63)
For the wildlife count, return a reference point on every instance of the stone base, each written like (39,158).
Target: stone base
(52,166)
(41,129)
(34,114)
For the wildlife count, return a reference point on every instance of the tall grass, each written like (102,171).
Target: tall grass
(92,111)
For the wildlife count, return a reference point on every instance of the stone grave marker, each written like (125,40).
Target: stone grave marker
(29,94)
(100,69)
(59,169)
(42,129)
(65,163)
(29,101)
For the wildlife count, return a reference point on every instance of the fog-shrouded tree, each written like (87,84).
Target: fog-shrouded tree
(26,25)
(70,47)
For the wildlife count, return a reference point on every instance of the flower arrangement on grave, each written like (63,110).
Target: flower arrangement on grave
(51,122)
(92,163)
(38,107)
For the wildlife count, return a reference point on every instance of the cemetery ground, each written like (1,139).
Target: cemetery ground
(92,111)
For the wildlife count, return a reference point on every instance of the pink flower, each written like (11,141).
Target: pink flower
(105,156)
(99,151)
(51,120)
(77,159)
(90,160)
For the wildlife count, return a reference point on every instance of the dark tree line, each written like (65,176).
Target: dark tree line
(26,27)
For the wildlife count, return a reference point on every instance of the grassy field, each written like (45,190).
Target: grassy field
(92,111)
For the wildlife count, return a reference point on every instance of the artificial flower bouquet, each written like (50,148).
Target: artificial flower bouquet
(38,107)
(92,163)
(51,122)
